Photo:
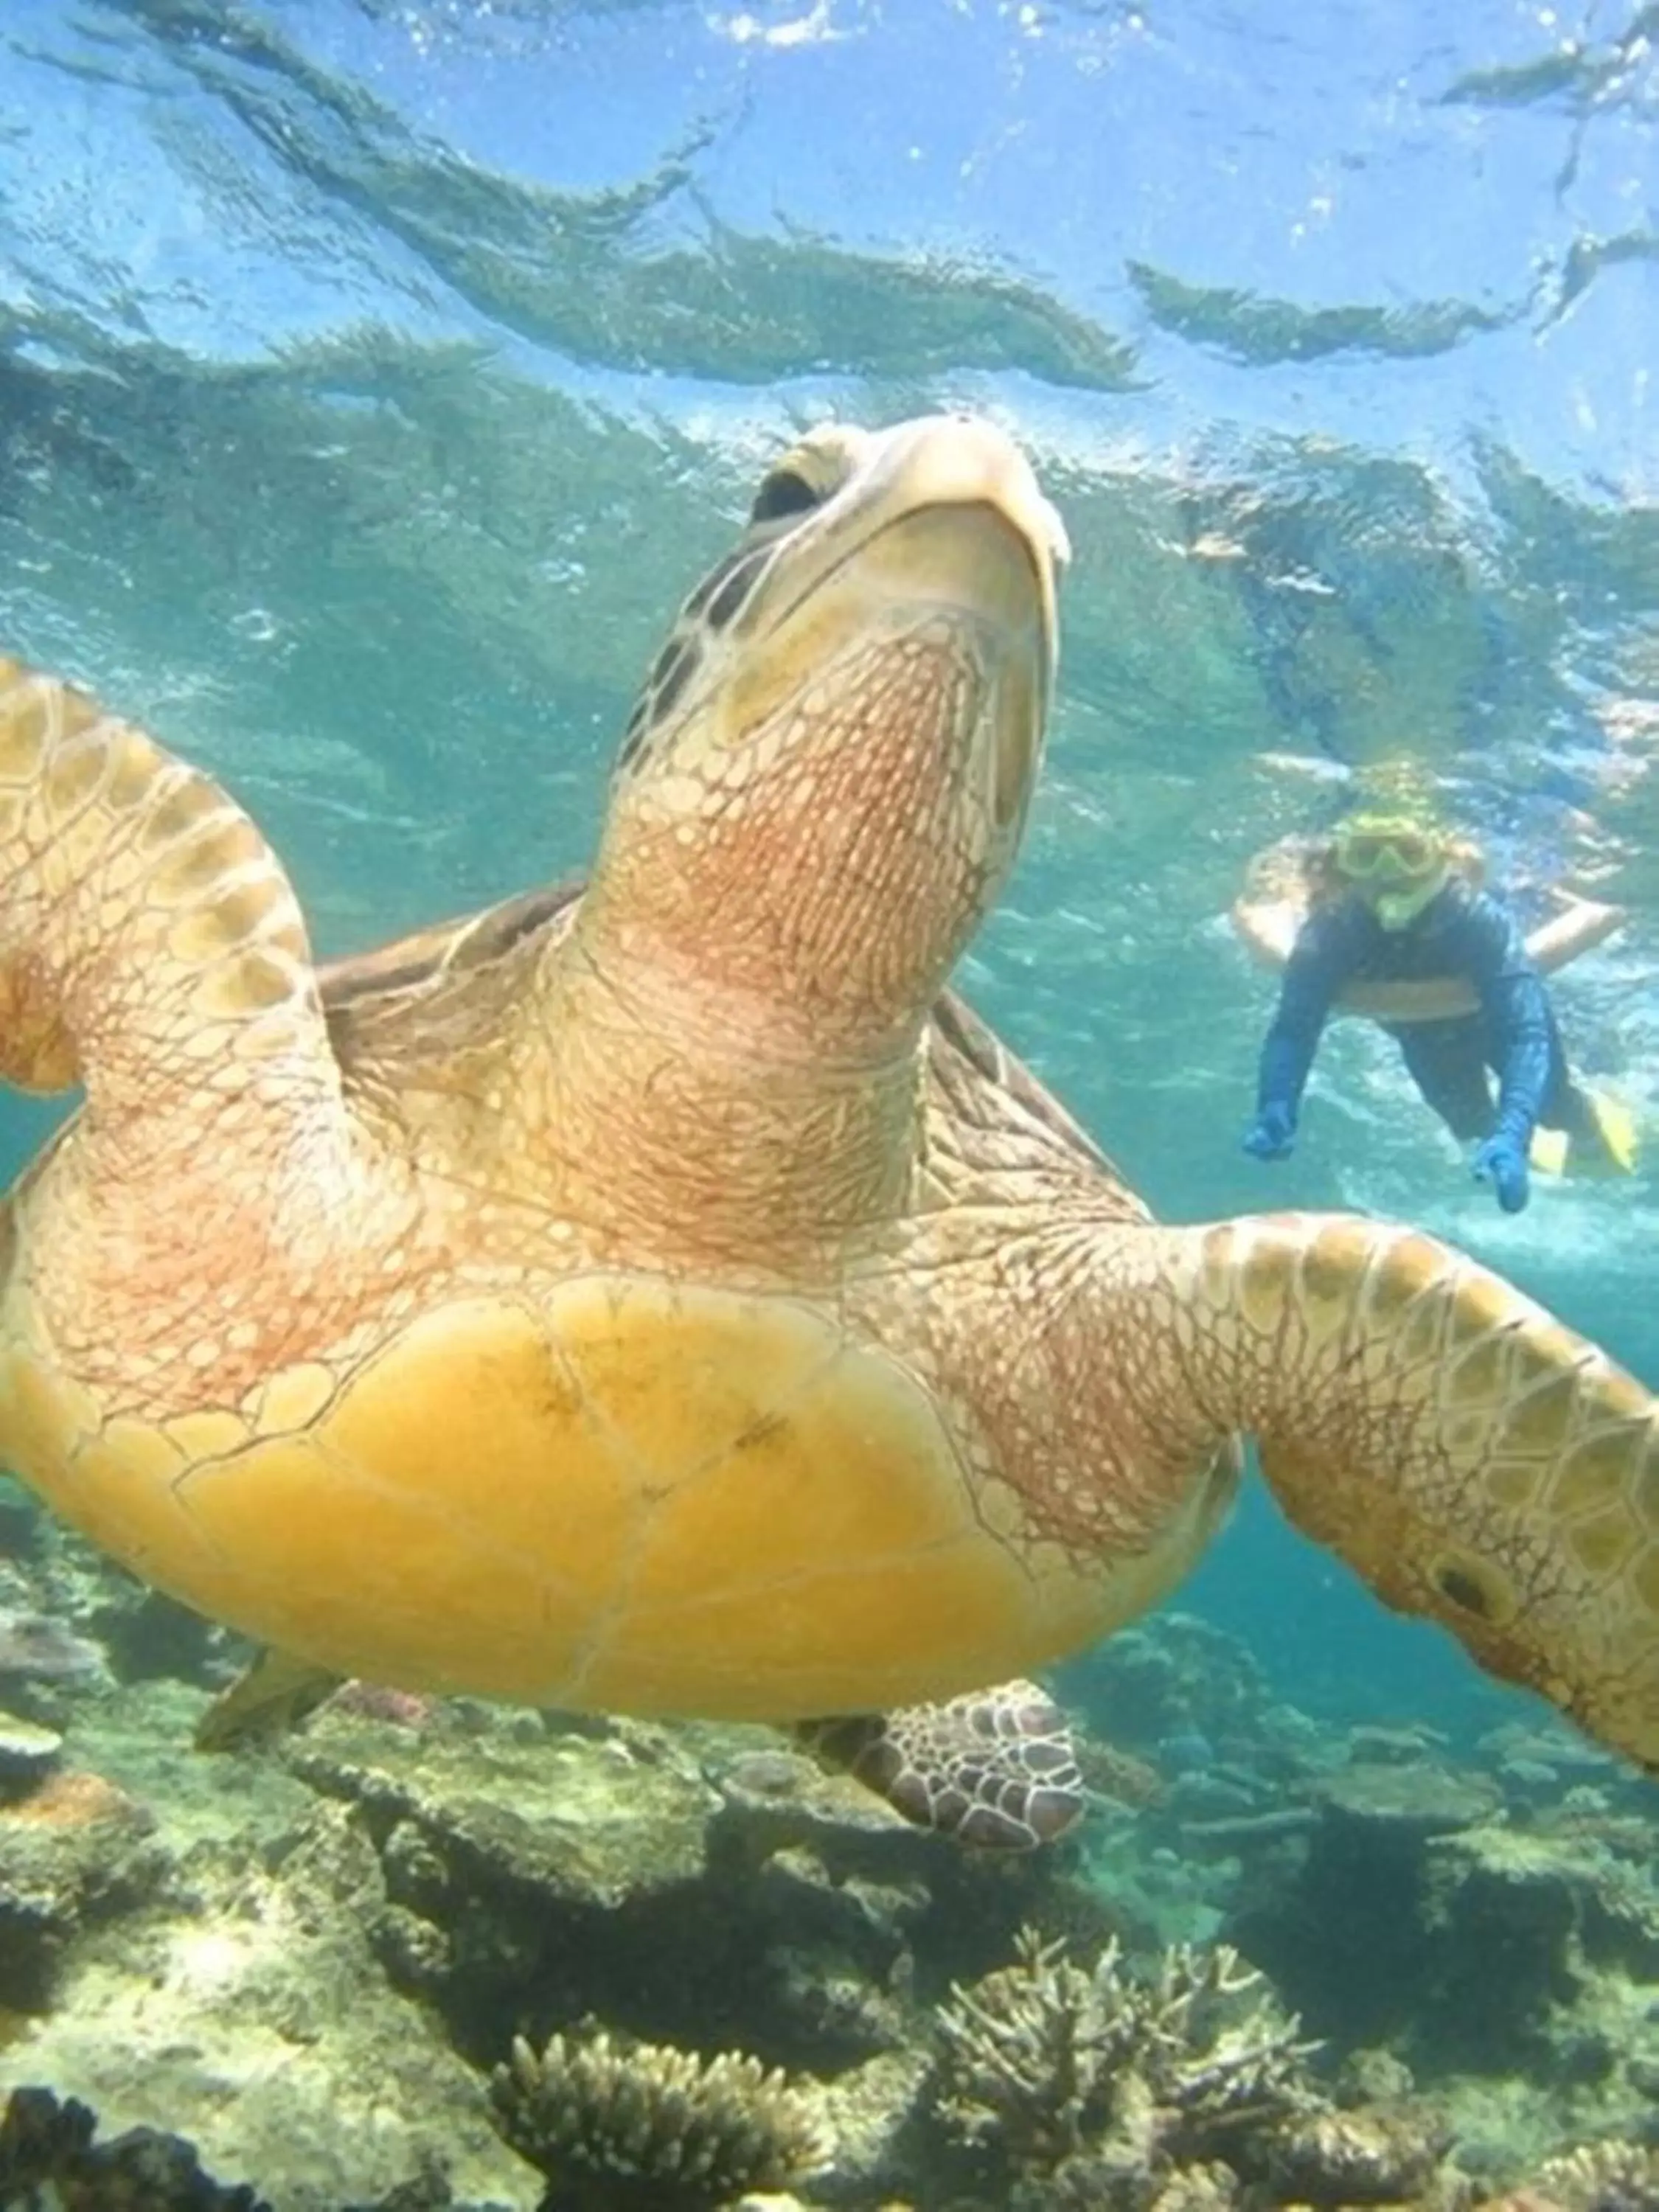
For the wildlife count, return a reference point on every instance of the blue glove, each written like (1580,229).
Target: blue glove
(1503,1162)
(1273,1133)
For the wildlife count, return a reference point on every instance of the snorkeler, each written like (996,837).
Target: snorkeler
(1393,906)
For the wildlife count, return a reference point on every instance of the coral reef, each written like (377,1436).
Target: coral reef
(1601,2177)
(622,2127)
(697,1886)
(1343,1928)
(1424,1914)
(36,1648)
(234,1997)
(28,1753)
(1378,2156)
(1043,2059)
(87,1621)
(75,1852)
(307,1957)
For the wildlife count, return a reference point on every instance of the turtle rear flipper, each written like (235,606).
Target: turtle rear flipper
(268,1698)
(996,1769)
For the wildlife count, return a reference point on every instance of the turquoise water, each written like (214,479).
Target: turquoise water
(375,379)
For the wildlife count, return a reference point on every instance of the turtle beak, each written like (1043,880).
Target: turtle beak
(940,516)
(951,462)
(941,524)
(958,469)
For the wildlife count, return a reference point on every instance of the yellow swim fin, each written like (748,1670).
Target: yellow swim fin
(1547,1151)
(1618,1134)
(1611,1147)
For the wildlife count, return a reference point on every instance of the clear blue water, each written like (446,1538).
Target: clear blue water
(374,377)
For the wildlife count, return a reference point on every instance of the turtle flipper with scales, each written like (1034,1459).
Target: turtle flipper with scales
(671,1304)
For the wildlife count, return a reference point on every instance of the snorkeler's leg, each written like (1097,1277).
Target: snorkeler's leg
(1565,1105)
(1447,1062)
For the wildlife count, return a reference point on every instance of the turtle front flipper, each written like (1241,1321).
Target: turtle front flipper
(1475,1460)
(272,1695)
(997,1769)
(151,947)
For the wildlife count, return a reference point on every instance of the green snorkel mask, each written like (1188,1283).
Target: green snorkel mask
(1393,863)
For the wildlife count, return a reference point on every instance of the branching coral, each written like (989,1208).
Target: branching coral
(1601,2177)
(638,2127)
(1044,2058)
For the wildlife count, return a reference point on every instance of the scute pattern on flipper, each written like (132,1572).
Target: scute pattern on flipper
(996,1769)
(157,887)
(1472,1457)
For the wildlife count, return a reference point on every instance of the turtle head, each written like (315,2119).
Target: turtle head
(826,777)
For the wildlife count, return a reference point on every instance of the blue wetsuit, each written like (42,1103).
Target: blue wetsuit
(1461,932)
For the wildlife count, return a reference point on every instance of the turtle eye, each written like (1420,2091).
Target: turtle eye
(784,491)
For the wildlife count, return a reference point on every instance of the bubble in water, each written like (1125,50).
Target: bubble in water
(258,625)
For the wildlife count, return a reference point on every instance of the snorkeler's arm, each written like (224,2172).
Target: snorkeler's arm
(1315,973)
(1488,947)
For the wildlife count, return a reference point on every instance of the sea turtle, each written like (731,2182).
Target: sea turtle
(665,1300)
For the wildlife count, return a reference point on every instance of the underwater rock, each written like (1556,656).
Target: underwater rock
(1513,1966)
(46,1668)
(624,2127)
(870,2117)
(125,1630)
(1392,1807)
(1343,1929)
(531,1874)
(241,2004)
(771,1797)
(537,1874)
(1545,1957)
(575,1818)
(1371,1744)
(1570,1756)
(49,2162)
(1113,1773)
(1356,2157)
(1044,2060)
(1109,2184)
(28,1753)
(1528,1781)
(1371,2076)
(36,1648)
(75,1851)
